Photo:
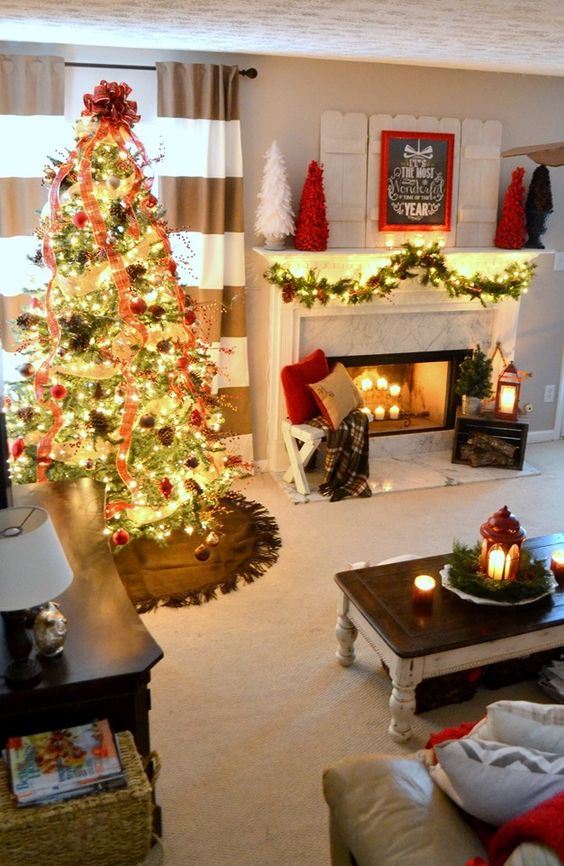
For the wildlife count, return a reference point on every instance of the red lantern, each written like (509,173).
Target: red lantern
(507,394)
(501,548)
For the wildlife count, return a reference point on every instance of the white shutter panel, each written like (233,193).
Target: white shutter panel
(405,123)
(479,182)
(343,154)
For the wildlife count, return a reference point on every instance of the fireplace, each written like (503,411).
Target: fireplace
(407,392)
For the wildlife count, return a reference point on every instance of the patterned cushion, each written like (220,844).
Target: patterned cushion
(496,782)
(534,726)
(300,403)
(336,395)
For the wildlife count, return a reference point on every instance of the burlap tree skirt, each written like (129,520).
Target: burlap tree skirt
(172,575)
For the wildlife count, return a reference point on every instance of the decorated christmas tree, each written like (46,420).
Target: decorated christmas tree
(116,383)
(274,217)
(510,234)
(312,228)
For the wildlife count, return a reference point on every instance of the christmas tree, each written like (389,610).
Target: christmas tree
(312,228)
(475,375)
(510,234)
(117,384)
(274,217)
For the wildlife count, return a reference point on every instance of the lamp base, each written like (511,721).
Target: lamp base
(22,671)
(23,674)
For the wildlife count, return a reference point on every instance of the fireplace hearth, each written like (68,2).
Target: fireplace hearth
(407,392)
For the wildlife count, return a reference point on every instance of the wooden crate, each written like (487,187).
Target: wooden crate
(512,432)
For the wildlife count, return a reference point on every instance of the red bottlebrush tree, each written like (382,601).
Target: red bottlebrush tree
(312,228)
(511,232)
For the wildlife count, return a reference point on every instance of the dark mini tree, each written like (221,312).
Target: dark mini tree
(312,228)
(475,376)
(510,234)
(538,206)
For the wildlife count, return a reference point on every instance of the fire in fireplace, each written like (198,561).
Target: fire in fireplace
(407,392)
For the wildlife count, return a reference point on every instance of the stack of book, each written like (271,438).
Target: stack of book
(59,765)
(552,680)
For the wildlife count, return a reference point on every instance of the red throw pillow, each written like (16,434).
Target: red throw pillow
(300,402)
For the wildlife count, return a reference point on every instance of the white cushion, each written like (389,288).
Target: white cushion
(496,782)
(533,726)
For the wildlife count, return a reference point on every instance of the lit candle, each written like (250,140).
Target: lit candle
(557,565)
(379,413)
(507,398)
(394,412)
(395,390)
(496,564)
(366,384)
(423,592)
(381,383)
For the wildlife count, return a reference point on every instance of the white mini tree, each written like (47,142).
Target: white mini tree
(274,217)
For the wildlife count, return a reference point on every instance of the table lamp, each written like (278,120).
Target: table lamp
(33,569)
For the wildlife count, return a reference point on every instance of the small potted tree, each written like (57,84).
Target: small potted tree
(474,381)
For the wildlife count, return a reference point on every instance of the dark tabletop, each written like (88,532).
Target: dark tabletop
(383,595)
(105,638)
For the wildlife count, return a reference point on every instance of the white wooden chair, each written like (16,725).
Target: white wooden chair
(301,441)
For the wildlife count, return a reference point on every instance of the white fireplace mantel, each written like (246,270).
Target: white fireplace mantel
(414,318)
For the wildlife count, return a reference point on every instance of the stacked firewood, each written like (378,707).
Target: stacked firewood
(482,449)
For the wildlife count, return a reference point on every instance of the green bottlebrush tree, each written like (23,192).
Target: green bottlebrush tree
(117,383)
(475,376)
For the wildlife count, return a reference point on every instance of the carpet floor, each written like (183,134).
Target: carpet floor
(249,704)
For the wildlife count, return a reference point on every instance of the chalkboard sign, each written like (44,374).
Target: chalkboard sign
(416,181)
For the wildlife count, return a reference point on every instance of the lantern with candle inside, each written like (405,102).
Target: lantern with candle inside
(507,394)
(557,565)
(501,548)
(423,592)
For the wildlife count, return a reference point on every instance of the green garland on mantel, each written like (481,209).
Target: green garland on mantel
(425,263)
(532,578)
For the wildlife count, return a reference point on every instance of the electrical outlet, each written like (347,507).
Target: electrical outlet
(559,261)
(549,394)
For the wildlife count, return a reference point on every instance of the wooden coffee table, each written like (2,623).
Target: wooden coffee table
(457,635)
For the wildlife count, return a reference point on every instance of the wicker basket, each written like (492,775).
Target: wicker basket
(112,828)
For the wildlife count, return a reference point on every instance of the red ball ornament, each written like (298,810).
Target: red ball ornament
(202,553)
(150,201)
(189,317)
(183,362)
(18,447)
(120,536)
(58,392)
(166,487)
(138,306)
(80,219)
(157,311)
(196,418)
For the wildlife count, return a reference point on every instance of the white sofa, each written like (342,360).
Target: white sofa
(388,812)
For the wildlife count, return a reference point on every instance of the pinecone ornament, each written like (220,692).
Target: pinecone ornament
(135,271)
(166,435)
(25,414)
(26,320)
(98,421)
(98,391)
(117,211)
(80,341)
(164,346)
(192,486)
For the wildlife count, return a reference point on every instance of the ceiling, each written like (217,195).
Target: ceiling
(501,35)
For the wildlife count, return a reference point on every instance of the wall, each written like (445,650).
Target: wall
(286,101)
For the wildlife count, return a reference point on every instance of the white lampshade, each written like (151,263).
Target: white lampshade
(33,565)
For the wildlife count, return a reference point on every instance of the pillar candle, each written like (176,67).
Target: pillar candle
(379,413)
(423,592)
(395,390)
(394,412)
(496,564)
(381,383)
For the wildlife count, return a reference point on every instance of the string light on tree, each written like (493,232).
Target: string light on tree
(116,385)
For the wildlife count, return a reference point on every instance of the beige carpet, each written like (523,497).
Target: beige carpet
(249,705)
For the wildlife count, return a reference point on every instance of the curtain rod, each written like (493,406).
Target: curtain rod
(248,73)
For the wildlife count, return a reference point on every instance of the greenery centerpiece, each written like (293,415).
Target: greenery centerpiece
(532,579)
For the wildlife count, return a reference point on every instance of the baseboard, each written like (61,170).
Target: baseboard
(541,436)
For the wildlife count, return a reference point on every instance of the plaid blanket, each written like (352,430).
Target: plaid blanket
(346,461)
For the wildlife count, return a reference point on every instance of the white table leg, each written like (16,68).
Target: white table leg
(405,674)
(346,633)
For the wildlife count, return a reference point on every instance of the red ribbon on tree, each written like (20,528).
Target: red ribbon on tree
(109,102)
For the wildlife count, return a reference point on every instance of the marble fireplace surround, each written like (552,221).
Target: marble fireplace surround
(416,319)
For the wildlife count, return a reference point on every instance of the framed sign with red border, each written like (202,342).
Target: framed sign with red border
(416,181)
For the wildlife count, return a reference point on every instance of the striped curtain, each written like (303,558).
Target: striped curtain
(201,187)
(32,126)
